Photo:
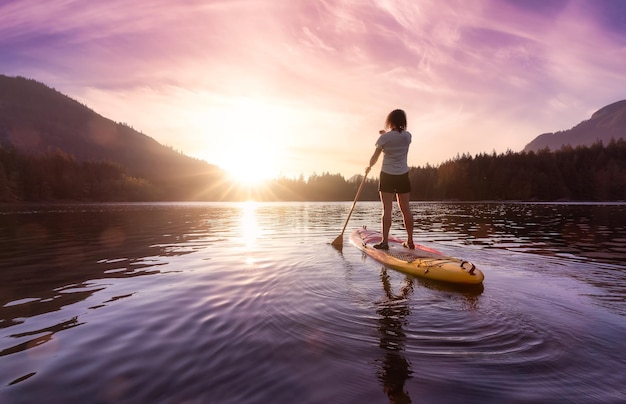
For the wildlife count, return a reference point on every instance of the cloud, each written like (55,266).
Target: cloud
(472,76)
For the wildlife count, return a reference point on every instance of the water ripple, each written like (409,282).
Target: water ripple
(249,303)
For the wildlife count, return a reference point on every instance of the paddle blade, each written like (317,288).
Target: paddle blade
(338,242)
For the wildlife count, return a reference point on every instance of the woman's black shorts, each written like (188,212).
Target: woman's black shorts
(394,184)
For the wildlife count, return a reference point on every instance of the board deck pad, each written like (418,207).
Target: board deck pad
(421,261)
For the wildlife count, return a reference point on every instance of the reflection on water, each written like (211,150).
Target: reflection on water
(249,226)
(247,302)
(592,235)
(395,370)
(52,257)
(581,231)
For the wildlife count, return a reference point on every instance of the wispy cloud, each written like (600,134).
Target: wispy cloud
(473,76)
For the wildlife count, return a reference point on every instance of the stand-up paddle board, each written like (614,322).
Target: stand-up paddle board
(422,261)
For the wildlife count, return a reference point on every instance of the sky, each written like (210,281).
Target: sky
(269,88)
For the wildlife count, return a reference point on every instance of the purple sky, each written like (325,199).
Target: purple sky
(289,87)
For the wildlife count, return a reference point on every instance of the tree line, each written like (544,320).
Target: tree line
(595,173)
(57,176)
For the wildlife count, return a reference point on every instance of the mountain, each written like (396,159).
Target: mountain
(605,124)
(36,119)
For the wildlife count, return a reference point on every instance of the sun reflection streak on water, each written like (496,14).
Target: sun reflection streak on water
(250,229)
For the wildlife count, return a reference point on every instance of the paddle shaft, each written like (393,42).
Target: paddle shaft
(356,198)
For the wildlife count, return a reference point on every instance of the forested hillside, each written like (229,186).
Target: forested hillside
(596,173)
(59,177)
(37,120)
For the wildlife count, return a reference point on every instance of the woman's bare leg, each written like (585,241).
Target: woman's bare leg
(407,215)
(387,199)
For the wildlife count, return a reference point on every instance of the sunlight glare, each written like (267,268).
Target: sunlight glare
(253,147)
(255,163)
(249,225)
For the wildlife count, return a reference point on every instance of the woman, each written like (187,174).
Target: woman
(394,174)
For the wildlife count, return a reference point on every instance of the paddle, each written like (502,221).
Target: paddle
(338,242)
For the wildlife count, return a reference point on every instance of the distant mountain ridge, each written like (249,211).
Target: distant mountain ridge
(52,148)
(605,124)
(37,119)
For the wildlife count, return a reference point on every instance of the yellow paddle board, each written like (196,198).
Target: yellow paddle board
(422,261)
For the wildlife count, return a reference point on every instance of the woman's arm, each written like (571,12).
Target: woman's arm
(374,157)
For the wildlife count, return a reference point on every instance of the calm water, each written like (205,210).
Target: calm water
(245,303)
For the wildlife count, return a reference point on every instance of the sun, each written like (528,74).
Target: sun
(254,149)
(250,169)
(252,163)
(250,139)
(242,176)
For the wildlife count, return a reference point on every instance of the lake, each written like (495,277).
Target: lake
(249,303)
